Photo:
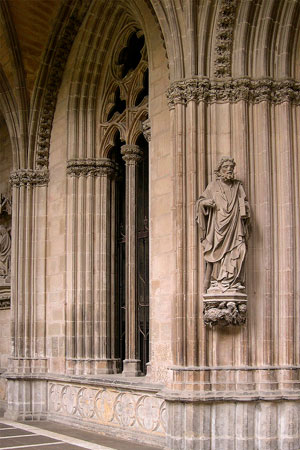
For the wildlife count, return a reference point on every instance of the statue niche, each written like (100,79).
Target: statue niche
(5,250)
(223,215)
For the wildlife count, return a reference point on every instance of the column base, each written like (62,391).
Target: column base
(131,368)
(76,366)
(27,365)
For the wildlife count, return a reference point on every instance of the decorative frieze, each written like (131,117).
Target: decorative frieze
(25,177)
(232,91)
(224,38)
(139,412)
(91,167)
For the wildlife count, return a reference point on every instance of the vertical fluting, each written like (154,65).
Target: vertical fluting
(39,272)
(180,203)
(285,232)
(97,269)
(80,288)
(262,192)
(89,267)
(28,325)
(71,271)
(191,230)
(201,121)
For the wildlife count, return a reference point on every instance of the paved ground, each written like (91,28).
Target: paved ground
(55,436)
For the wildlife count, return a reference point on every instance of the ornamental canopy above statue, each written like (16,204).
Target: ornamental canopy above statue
(223,215)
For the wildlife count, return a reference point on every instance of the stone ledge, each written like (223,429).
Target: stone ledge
(138,383)
(223,396)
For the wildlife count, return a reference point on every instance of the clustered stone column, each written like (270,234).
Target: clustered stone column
(131,155)
(234,359)
(28,310)
(90,312)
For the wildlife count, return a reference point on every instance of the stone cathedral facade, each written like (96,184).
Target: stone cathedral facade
(113,117)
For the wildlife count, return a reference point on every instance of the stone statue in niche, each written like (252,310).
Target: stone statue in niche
(223,215)
(5,249)
(5,203)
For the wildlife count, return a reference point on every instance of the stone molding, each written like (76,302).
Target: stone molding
(232,91)
(137,411)
(91,167)
(224,39)
(132,154)
(29,177)
(55,73)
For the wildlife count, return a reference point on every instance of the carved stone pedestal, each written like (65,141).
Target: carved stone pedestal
(224,308)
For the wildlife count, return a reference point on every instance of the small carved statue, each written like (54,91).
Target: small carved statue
(5,203)
(223,215)
(5,254)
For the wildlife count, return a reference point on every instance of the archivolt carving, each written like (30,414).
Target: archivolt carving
(254,91)
(24,177)
(109,406)
(223,49)
(55,73)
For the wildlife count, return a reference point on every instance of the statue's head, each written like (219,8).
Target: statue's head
(225,168)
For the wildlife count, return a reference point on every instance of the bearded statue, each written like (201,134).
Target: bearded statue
(223,215)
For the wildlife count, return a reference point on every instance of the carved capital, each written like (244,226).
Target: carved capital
(132,154)
(91,167)
(28,177)
(146,125)
(232,91)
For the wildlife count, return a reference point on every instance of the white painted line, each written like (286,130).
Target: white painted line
(8,428)
(33,445)
(51,434)
(16,436)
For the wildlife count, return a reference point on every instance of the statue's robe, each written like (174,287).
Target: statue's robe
(5,249)
(224,230)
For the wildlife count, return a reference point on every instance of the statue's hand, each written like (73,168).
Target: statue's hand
(208,203)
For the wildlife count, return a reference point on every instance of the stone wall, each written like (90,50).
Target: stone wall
(223,80)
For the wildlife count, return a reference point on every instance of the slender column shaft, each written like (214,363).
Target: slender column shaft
(131,155)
